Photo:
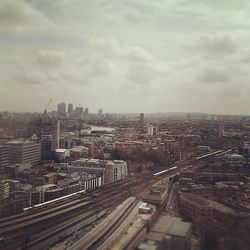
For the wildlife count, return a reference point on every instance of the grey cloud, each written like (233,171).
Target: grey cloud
(215,46)
(246,59)
(17,14)
(31,78)
(50,58)
(135,17)
(137,54)
(214,76)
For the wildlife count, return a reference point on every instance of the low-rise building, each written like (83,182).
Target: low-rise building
(169,233)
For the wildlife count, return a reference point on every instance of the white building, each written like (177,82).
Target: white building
(109,170)
(62,153)
(150,130)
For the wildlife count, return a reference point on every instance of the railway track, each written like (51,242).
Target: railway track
(42,224)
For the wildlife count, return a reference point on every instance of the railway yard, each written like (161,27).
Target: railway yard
(52,222)
(49,220)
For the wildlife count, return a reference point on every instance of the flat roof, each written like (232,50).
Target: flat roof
(196,199)
(172,226)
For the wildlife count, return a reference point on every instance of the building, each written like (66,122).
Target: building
(110,171)
(61,108)
(70,108)
(4,155)
(4,190)
(150,130)
(221,129)
(86,112)
(194,207)
(169,233)
(24,152)
(200,209)
(81,112)
(99,114)
(156,195)
(47,144)
(62,153)
(141,119)
(234,160)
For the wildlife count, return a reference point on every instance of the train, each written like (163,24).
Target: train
(165,171)
(54,201)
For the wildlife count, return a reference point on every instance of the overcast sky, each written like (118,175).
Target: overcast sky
(126,55)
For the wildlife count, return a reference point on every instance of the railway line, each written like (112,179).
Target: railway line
(53,218)
(49,221)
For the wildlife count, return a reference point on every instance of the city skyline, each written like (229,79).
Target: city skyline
(126,56)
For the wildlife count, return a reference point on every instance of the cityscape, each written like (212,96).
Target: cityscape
(124,125)
(73,179)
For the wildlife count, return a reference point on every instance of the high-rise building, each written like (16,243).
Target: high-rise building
(141,118)
(77,112)
(221,129)
(243,122)
(61,108)
(4,155)
(81,112)
(47,144)
(86,112)
(70,108)
(150,130)
(100,114)
(24,152)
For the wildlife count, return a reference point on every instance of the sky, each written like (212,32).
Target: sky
(126,55)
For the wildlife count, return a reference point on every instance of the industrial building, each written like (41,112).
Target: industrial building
(169,233)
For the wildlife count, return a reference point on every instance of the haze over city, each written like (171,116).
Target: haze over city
(125,56)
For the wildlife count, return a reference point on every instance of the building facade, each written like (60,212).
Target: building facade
(24,152)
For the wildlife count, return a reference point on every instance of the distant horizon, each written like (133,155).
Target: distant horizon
(137,113)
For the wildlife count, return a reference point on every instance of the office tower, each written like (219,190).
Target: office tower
(47,144)
(100,113)
(70,108)
(77,112)
(189,116)
(221,129)
(24,152)
(61,108)
(58,134)
(150,130)
(86,112)
(4,155)
(141,118)
(81,112)
(243,122)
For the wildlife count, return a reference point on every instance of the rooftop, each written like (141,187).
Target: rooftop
(172,226)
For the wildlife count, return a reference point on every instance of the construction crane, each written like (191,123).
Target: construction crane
(45,110)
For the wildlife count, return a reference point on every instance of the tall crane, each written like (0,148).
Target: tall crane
(42,118)
(45,110)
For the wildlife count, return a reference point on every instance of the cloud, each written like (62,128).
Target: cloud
(246,59)
(214,76)
(16,14)
(31,78)
(50,58)
(137,54)
(215,47)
